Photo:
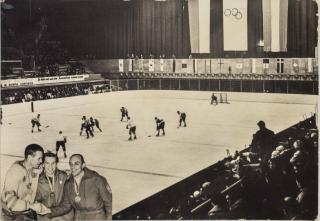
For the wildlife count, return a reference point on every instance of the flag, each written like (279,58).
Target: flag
(310,65)
(235,28)
(130,65)
(161,65)
(141,65)
(184,65)
(120,65)
(151,65)
(295,65)
(275,25)
(254,67)
(199,25)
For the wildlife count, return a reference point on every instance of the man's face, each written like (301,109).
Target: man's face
(50,165)
(76,165)
(36,159)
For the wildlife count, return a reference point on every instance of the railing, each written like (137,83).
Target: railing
(280,77)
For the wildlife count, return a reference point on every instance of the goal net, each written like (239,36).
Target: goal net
(222,98)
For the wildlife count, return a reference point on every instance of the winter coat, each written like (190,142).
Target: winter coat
(95,198)
(43,194)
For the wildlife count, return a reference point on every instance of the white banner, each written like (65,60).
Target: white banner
(235,27)
(120,65)
(151,65)
(42,80)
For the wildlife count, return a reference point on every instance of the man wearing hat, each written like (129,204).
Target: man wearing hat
(263,141)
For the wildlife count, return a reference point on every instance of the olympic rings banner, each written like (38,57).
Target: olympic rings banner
(235,28)
(42,80)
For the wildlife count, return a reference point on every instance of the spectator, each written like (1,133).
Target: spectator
(263,141)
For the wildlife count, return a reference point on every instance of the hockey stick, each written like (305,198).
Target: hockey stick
(152,135)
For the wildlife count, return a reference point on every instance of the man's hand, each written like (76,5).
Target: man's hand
(39,208)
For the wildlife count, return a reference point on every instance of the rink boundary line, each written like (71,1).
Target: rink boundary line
(176,98)
(112,168)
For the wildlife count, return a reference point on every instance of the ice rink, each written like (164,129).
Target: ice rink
(138,169)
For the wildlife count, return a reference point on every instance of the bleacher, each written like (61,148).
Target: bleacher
(242,186)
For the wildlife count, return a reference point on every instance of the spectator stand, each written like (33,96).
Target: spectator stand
(242,186)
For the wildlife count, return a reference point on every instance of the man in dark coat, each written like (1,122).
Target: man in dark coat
(86,192)
(263,141)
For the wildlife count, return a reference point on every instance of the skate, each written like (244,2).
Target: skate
(130,138)
(135,137)
(65,155)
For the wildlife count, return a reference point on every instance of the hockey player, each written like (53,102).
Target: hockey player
(132,129)
(83,119)
(214,99)
(20,186)
(97,124)
(182,118)
(61,141)
(160,126)
(124,113)
(92,124)
(87,126)
(36,122)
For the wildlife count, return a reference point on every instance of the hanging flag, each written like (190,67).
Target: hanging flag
(295,65)
(130,65)
(141,65)
(184,65)
(254,67)
(120,65)
(151,65)
(235,28)
(199,25)
(275,25)
(265,63)
(161,65)
(310,65)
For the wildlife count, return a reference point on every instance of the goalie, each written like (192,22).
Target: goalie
(214,99)
(36,122)
(132,129)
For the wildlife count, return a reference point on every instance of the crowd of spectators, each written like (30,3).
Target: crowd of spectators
(275,178)
(51,92)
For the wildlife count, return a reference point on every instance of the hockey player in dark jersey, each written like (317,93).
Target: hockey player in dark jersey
(160,126)
(214,99)
(87,126)
(36,122)
(182,118)
(83,122)
(92,123)
(124,113)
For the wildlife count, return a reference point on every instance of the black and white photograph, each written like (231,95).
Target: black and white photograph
(159,110)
